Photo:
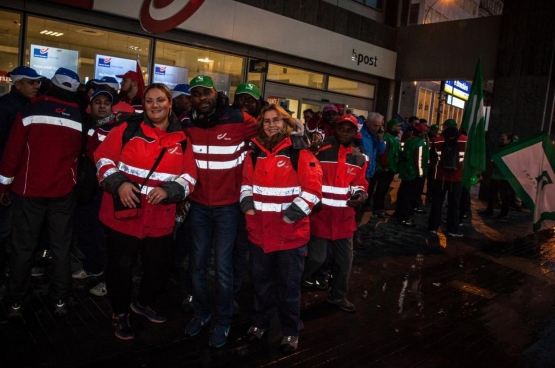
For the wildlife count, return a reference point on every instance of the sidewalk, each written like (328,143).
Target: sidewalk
(485,299)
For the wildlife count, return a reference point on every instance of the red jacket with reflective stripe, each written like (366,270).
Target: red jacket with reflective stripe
(219,152)
(343,175)
(135,161)
(275,187)
(449,176)
(40,159)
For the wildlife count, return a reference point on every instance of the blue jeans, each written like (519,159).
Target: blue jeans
(213,226)
(278,273)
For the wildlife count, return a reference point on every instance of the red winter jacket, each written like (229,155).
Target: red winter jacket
(40,159)
(176,173)
(219,151)
(449,176)
(274,189)
(343,176)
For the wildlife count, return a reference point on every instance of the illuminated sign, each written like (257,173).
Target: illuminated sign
(46,60)
(460,89)
(170,75)
(109,66)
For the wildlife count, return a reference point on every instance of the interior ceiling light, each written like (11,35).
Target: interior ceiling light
(205,60)
(136,48)
(51,33)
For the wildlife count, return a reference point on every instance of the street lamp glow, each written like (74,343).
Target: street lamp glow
(431,7)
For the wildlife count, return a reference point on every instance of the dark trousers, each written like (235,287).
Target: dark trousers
(183,244)
(417,201)
(213,227)
(408,191)
(28,216)
(383,181)
(465,204)
(341,264)
(504,190)
(279,270)
(453,200)
(359,214)
(240,255)
(91,237)
(321,274)
(156,256)
(5,228)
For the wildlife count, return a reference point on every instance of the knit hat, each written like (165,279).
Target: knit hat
(450,123)
(66,79)
(434,127)
(23,72)
(392,123)
(201,81)
(181,89)
(249,89)
(347,118)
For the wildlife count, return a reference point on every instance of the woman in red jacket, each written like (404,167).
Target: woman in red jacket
(282,182)
(144,166)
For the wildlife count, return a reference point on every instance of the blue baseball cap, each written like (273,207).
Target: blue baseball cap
(181,89)
(66,79)
(23,72)
(109,81)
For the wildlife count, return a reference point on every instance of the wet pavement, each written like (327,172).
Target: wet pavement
(486,299)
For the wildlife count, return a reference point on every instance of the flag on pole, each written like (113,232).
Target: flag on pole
(141,81)
(529,167)
(474,123)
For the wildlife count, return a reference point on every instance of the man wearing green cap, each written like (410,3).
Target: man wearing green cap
(450,147)
(218,134)
(247,98)
(387,165)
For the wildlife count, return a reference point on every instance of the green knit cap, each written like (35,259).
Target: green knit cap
(392,122)
(434,127)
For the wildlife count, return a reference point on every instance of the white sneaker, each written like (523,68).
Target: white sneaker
(99,289)
(82,274)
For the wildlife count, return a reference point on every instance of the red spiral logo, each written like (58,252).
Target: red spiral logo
(152,25)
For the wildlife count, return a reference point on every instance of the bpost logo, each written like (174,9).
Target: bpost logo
(41,53)
(361,58)
(160,70)
(152,15)
(104,62)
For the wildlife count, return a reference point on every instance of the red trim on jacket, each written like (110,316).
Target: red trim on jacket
(341,179)
(135,161)
(41,154)
(275,185)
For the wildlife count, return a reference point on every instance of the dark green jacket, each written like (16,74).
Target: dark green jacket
(413,159)
(390,158)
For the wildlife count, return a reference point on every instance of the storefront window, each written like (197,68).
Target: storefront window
(91,52)
(183,63)
(9,46)
(300,77)
(350,87)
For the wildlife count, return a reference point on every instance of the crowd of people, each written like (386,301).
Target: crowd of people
(183,173)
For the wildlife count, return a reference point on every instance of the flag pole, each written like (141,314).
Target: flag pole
(547,92)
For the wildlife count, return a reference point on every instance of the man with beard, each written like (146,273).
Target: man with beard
(324,126)
(218,134)
(130,88)
(181,99)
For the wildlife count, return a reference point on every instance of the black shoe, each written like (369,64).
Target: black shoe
(60,309)
(122,328)
(310,283)
(485,213)
(501,218)
(15,314)
(289,344)
(378,216)
(409,223)
(187,305)
(256,334)
(419,210)
(358,244)
(342,304)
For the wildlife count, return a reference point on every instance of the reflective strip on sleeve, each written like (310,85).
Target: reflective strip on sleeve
(302,205)
(142,173)
(357,189)
(420,162)
(103,162)
(101,137)
(271,207)
(309,197)
(90,132)
(246,191)
(5,180)
(109,172)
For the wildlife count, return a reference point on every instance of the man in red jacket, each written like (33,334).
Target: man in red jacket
(344,187)
(219,135)
(38,167)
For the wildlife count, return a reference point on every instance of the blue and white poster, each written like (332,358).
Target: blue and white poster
(170,75)
(109,66)
(46,60)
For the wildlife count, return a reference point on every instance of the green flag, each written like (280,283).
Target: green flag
(474,123)
(529,166)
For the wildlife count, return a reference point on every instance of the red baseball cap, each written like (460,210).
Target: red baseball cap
(130,74)
(347,118)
